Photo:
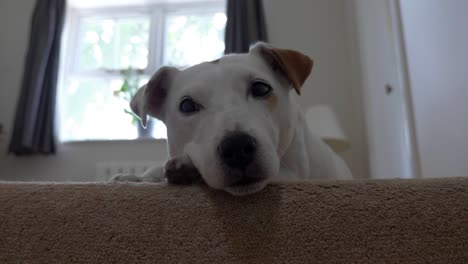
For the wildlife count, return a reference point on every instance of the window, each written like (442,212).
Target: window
(110,52)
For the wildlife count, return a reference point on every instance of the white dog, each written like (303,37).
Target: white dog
(234,124)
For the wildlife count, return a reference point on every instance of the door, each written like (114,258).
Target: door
(386,102)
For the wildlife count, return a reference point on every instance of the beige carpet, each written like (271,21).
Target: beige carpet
(399,221)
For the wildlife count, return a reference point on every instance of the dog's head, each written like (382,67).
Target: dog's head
(232,117)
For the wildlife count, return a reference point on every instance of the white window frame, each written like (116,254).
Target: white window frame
(156,12)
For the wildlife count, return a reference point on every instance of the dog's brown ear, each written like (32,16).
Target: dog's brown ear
(149,99)
(293,64)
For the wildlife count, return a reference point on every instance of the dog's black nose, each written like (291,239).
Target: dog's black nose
(237,150)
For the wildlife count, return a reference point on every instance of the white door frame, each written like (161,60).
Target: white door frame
(404,83)
(378,35)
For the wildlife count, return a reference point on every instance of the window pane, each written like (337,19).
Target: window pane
(113,43)
(193,38)
(133,47)
(90,109)
(88,106)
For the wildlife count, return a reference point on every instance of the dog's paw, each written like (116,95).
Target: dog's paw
(181,171)
(126,178)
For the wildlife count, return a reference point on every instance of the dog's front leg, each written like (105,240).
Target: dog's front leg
(154,174)
(181,171)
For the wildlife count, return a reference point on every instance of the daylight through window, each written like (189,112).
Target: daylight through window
(109,53)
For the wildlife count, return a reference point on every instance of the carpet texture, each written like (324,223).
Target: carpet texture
(391,221)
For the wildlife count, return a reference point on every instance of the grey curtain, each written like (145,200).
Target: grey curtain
(245,25)
(33,130)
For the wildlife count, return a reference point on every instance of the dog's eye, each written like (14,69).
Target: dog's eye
(260,89)
(188,106)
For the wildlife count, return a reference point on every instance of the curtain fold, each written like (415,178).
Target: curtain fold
(245,25)
(33,129)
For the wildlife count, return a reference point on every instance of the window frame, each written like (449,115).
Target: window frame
(156,13)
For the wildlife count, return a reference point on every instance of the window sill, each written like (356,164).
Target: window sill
(107,141)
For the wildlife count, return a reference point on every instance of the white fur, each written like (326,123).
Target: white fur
(287,149)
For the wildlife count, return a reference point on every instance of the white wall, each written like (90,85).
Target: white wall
(319,28)
(436,38)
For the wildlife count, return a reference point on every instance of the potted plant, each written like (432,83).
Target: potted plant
(128,89)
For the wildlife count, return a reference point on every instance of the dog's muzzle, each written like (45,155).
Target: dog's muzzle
(237,150)
(238,153)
